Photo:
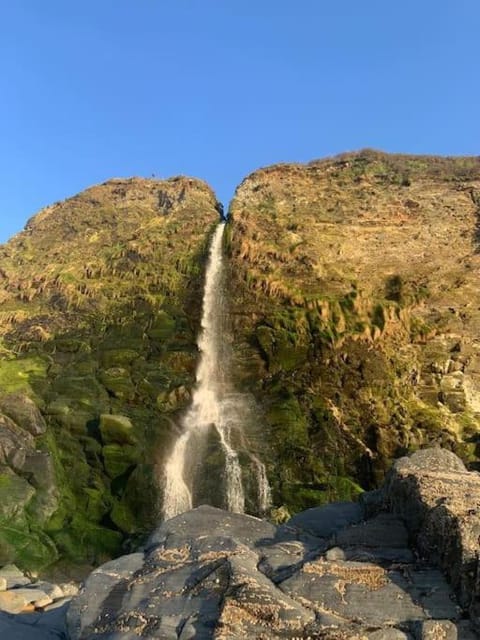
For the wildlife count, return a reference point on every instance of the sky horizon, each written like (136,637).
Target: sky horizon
(96,90)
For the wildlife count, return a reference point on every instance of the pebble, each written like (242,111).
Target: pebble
(69,589)
(335,553)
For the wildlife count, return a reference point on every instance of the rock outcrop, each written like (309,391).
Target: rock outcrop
(99,310)
(363,571)
(356,315)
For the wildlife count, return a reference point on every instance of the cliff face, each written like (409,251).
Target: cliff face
(100,299)
(355,320)
(356,313)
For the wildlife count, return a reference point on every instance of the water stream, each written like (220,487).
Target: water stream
(213,406)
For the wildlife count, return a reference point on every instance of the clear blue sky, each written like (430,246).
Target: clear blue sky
(91,89)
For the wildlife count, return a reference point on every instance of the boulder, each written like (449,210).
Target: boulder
(24,412)
(117,429)
(325,521)
(438,500)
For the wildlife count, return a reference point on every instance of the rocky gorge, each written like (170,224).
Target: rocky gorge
(350,324)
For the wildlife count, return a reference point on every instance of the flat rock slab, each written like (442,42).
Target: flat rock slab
(369,593)
(385,530)
(13,602)
(323,522)
(32,595)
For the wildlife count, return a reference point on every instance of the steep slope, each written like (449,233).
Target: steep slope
(356,313)
(99,303)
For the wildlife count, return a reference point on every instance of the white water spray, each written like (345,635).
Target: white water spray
(208,407)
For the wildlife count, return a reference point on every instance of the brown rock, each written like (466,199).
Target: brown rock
(12,602)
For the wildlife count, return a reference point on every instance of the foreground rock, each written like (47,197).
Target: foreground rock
(342,571)
(32,610)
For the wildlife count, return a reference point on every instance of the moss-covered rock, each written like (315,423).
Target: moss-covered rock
(15,494)
(24,412)
(352,297)
(119,458)
(117,429)
(99,312)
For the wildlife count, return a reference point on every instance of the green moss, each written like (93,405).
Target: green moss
(119,458)
(118,357)
(123,518)
(15,494)
(83,541)
(28,547)
(288,423)
(427,418)
(118,382)
(281,348)
(97,504)
(162,328)
(22,374)
(117,429)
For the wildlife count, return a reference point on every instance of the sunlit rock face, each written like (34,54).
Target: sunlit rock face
(100,300)
(355,300)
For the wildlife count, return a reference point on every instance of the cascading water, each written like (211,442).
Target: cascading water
(211,407)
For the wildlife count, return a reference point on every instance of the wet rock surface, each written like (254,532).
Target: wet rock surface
(367,571)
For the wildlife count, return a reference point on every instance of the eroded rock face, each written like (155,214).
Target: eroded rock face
(345,571)
(356,315)
(99,310)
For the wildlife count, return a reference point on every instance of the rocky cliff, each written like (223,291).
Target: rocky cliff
(99,308)
(355,308)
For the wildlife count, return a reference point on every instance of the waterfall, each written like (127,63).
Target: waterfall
(264,491)
(211,406)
